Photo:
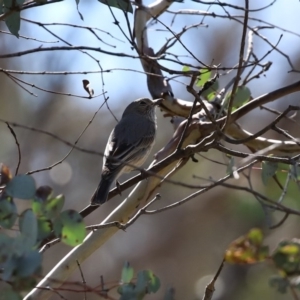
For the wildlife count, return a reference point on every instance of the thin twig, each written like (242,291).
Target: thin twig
(50,243)
(106,225)
(18,147)
(210,288)
(70,151)
(30,38)
(276,112)
(239,70)
(194,195)
(283,132)
(286,215)
(189,119)
(265,129)
(130,222)
(101,154)
(83,279)
(54,92)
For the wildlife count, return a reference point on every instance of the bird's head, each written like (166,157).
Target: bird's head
(143,106)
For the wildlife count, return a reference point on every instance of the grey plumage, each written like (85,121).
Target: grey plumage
(130,142)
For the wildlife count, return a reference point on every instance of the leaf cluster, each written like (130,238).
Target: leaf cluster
(20,260)
(249,249)
(146,282)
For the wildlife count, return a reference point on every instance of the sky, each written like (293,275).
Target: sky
(97,15)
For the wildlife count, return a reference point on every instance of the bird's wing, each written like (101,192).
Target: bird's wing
(127,152)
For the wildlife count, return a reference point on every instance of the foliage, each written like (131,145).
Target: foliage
(249,249)
(20,259)
(136,289)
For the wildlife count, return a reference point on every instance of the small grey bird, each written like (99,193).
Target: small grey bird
(130,142)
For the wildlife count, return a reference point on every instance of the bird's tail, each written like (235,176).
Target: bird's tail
(102,191)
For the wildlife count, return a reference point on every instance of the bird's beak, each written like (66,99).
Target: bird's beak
(157,101)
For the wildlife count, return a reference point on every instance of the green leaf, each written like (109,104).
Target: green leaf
(21,186)
(13,23)
(142,282)
(53,207)
(28,229)
(256,237)
(154,282)
(203,77)
(44,229)
(186,69)
(287,257)
(6,247)
(247,249)
(127,273)
(57,227)
(8,213)
(268,170)
(127,292)
(242,96)
(210,93)
(69,226)
(8,267)
(37,206)
(44,205)
(124,5)
(28,264)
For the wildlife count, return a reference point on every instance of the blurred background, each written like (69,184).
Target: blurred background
(183,246)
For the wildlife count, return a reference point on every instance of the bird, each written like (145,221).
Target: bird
(128,145)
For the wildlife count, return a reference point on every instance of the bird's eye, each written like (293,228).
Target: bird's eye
(143,103)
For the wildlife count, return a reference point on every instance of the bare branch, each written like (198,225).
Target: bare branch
(210,288)
(239,70)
